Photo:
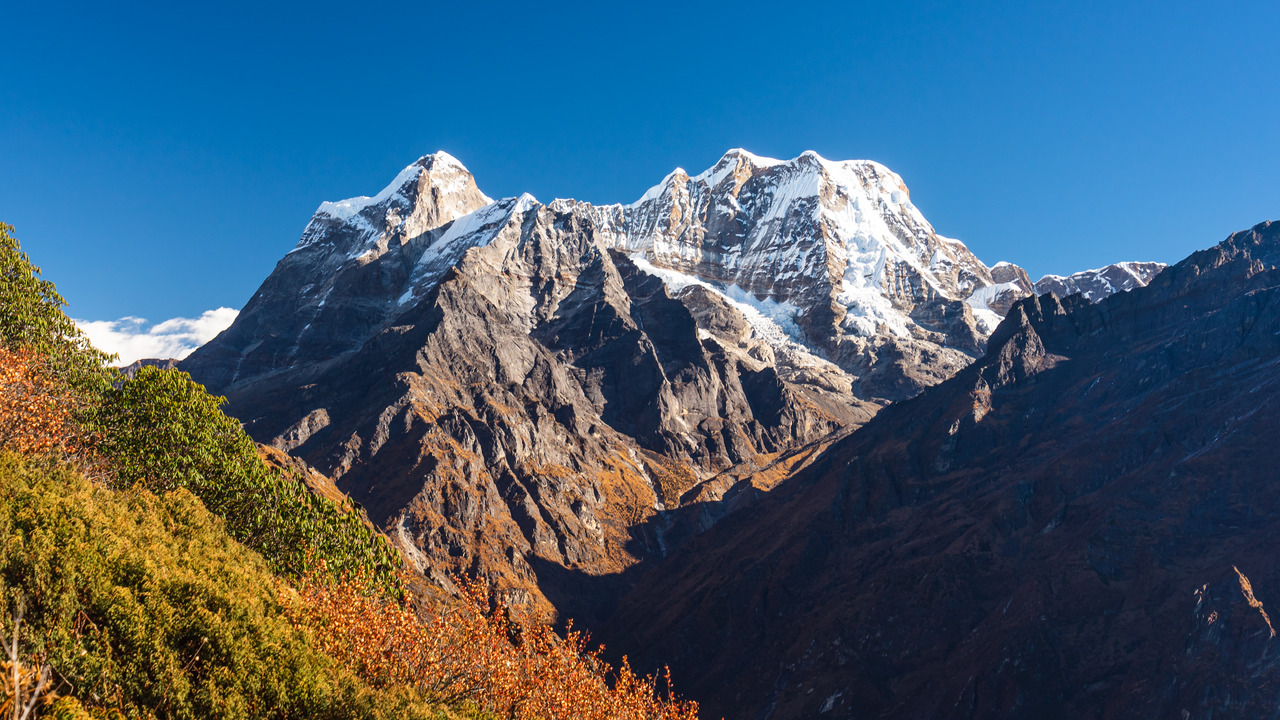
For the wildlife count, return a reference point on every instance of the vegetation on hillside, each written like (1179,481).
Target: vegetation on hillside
(153,566)
(142,604)
(472,652)
(164,431)
(31,317)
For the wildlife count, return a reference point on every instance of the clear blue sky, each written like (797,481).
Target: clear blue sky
(157,159)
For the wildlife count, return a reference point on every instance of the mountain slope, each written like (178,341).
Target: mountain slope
(1080,524)
(836,250)
(506,392)
(541,394)
(826,257)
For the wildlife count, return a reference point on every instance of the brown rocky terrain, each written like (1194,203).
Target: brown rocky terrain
(1080,524)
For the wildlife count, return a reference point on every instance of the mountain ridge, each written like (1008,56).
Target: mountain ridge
(533,392)
(1073,526)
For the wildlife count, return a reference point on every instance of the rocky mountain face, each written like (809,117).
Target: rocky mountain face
(132,368)
(833,252)
(571,399)
(514,389)
(538,392)
(1079,524)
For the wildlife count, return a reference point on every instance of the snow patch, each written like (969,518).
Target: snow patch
(773,321)
(475,229)
(979,302)
(346,209)
(982,297)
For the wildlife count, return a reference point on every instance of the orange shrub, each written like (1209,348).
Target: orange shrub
(472,653)
(35,407)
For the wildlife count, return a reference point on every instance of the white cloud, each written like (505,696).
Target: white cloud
(131,339)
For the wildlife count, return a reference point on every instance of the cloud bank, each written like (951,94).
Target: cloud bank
(132,339)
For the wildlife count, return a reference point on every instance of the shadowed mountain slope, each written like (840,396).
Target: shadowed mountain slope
(1080,524)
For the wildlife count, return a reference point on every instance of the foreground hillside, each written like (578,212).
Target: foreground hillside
(144,604)
(1080,524)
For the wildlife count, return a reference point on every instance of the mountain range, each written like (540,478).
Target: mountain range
(767,425)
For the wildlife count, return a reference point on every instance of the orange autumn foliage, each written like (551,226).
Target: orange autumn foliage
(35,407)
(471,653)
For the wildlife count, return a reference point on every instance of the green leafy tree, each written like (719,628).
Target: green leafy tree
(32,317)
(164,431)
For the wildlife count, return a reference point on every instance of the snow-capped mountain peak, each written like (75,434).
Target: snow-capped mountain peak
(839,241)
(1100,282)
(737,164)
(858,209)
(432,191)
(444,171)
(831,255)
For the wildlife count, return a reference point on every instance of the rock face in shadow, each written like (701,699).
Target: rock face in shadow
(1080,524)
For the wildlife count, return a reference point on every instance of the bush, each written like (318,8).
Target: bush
(36,410)
(471,652)
(164,431)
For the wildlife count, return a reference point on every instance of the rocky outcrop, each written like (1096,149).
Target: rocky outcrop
(132,368)
(1080,524)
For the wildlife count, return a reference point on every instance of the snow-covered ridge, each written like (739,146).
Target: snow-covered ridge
(475,229)
(773,321)
(806,231)
(787,241)
(349,208)
(798,232)
(1098,283)
(826,258)
(1137,270)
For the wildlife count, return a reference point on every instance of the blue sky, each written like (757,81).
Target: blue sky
(157,159)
